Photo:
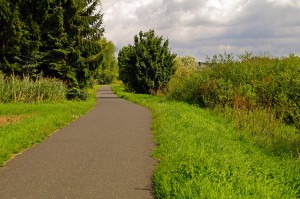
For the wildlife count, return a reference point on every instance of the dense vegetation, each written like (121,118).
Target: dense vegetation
(107,71)
(146,66)
(26,90)
(246,84)
(257,93)
(60,39)
(201,155)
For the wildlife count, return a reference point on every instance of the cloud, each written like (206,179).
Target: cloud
(206,27)
(285,3)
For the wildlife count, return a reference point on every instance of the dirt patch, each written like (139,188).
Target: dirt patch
(5,120)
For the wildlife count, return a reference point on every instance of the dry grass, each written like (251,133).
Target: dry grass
(5,120)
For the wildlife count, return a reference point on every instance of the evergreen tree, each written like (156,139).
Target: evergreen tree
(32,14)
(11,32)
(56,46)
(55,38)
(73,41)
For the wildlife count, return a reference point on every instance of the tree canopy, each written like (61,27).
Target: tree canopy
(146,66)
(55,38)
(108,69)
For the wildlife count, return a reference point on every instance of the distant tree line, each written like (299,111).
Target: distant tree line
(53,38)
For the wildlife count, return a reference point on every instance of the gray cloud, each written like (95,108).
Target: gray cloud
(206,27)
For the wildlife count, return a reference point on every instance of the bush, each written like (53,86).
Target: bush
(147,66)
(76,94)
(248,83)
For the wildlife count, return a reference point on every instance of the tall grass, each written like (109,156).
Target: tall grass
(201,155)
(257,92)
(26,90)
(246,83)
(265,130)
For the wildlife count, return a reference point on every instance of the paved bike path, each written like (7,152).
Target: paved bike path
(105,154)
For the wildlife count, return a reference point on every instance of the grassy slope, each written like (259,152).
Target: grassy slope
(203,156)
(39,121)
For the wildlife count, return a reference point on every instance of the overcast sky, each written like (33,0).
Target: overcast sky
(207,27)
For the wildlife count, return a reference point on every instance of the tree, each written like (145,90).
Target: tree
(71,33)
(11,33)
(108,69)
(146,66)
(51,37)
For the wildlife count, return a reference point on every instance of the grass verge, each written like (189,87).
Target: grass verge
(202,155)
(35,122)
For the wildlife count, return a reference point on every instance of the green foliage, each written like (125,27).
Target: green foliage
(36,122)
(147,66)
(107,71)
(201,155)
(185,68)
(248,83)
(76,94)
(53,38)
(26,90)
(11,35)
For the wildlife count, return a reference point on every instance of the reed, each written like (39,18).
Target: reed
(26,90)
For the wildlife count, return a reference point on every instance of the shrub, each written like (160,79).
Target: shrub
(247,83)
(76,94)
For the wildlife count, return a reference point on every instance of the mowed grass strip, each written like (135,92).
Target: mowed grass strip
(32,123)
(201,155)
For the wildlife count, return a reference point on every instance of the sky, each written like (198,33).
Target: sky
(201,28)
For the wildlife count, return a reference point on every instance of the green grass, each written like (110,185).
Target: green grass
(201,155)
(38,120)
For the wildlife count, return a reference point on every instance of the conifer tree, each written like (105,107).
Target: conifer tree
(51,37)
(11,31)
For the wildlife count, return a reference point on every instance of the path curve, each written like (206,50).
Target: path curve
(104,154)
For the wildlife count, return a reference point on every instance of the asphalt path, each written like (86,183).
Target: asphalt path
(105,154)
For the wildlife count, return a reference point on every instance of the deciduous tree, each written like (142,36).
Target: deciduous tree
(146,66)
(108,68)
